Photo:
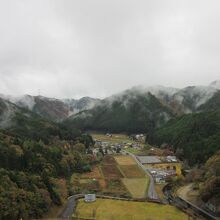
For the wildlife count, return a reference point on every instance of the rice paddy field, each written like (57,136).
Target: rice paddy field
(107,209)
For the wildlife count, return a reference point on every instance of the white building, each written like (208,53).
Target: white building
(90,198)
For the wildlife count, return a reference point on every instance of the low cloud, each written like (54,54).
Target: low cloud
(96,48)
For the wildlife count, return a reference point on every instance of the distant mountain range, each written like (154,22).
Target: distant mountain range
(51,108)
(24,122)
(141,109)
(134,110)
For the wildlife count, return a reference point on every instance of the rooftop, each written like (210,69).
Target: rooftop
(148,159)
(157,159)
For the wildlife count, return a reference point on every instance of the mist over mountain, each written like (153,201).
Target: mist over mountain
(7,112)
(142,109)
(52,108)
(140,104)
(215,84)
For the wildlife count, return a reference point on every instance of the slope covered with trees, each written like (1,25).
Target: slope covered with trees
(35,154)
(197,135)
(210,189)
(29,171)
(130,112)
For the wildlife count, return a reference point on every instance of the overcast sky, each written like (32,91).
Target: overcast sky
(69,48)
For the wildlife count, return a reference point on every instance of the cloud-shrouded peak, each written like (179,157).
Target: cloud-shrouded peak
(215,84)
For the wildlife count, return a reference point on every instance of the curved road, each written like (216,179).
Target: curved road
(152,194)
(71,205)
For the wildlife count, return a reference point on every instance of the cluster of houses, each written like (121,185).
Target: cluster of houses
(161,167)
(111,148)
(106,147)
(139,137)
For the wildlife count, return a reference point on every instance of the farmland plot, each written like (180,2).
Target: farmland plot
(108,160)
(111,172)
(132,171)
(125,160)
(94,174)
(136,186)
(115,186)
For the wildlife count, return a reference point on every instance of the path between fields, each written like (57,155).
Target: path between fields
(152,194)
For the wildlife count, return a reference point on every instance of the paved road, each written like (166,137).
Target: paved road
(71,205)
(152,194)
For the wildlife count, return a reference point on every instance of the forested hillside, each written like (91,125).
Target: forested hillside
(51,108)
(35,156)
(30,171)
(210,188)
(132,112)
(197,135)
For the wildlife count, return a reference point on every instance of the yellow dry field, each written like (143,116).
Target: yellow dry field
(125,160)
(107,209)
(132,171)
(136,186)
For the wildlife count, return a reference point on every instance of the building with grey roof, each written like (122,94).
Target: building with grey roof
(148,159)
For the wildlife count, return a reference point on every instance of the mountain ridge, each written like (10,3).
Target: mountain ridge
(52,108)
(150,106)
(180,101)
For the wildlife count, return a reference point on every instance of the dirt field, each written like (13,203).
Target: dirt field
(106,209)
(116,186)
(94,174)
(136,187)
(125,160)
(108,160)
(102,184)
(111,172)
(132,171)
